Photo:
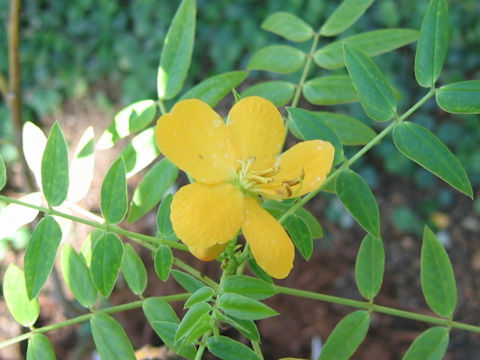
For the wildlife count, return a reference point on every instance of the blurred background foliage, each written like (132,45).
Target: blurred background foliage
(108,51)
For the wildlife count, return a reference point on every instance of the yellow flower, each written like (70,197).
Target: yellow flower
(232,163)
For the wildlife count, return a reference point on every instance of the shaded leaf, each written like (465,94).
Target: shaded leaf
(371,43)
(289,26)
(257,270)
(244,308)
(369,267)
(23,310)
(110,339)
(375,93)
(358,199)
(246,327)
(283,59)
(127,121)
(187,281)
(192,319)
(346,337)
(310,127)
(330,90)
(350,131)
(300,234)
(40,254)
(3,173)
(134,270)
(433,43)
(278,92)
(177,51)
(164,225)
(40,348)
(152,188)
(215,88)
(55,167)
(311,221)
(229,349)
(344,16)
(430,345)
(248,286)
(106,261)
(460,98)
(436,274)
(422,146)
(78,277)
(163,262)
(113,195)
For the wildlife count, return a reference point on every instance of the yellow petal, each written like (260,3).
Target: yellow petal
(209,253)
(256,129)
(193,137)
(270,245)
(303,168)
(203,215)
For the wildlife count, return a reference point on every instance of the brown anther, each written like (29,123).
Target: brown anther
(200,156)
(287,189)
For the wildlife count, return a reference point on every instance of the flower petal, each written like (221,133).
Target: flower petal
(303,168)
(203,215)
(208,253)
(270,245)
(256,129)
(193,137)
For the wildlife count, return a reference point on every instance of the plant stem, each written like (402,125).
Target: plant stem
(377,308)
(257,349)
(82,318)
(144,240)
(305,71)
(357,156)
(14,94)
(203,345)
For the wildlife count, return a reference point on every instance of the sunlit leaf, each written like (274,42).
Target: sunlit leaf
(34,141)
(140,152)
(81,167)
(177,51)
(13,216)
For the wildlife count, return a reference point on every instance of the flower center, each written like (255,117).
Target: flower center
(248,179)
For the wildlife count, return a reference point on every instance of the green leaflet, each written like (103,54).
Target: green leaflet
(152,188)
(215,88)
(23,310)
(460,98)
(55,167)
(188,282)
(436,274)
(283,59)
(244,308)
(375,93)
(229,349)
(358,199)
(164,225)
(163,261)
(113,195)
(110,339)
(346,337)
(369,266)
(3,173)
(344,16)
(371,43)
(177,51)
(203,294)
(433,43)
(40,254)
(278,92)
(248,286)
(106,261)
(78,277)
(140,152)
(289,26)
(330,90)
(134,270)
(301,236)
(40,348)
(422,146)
(350,131)
(430,345)
(127,121)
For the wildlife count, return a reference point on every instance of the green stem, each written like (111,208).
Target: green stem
(203,345)
(367,305)
(305,71)
(144,240)
(257,349)
(357,156)
(82,318)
